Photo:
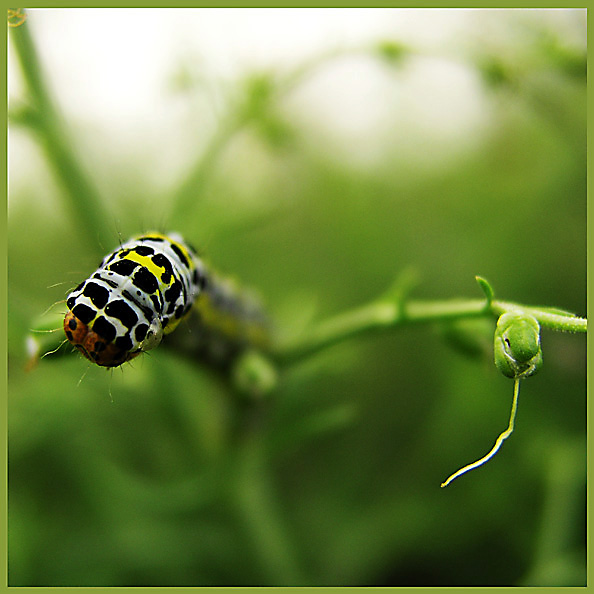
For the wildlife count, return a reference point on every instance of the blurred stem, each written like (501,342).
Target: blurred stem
(257,503)
(237,117)
(42,116)
(190,190)
(261,91)
(555,560)
(373,317)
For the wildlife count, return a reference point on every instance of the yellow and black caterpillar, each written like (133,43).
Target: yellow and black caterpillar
(144,289)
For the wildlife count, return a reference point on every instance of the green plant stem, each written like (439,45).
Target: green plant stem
(82,198)
(382,315)
(237,118)
(256,501)
(547,319)
(554,562)
(190,190)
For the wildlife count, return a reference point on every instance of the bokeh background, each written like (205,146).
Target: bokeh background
(313,154)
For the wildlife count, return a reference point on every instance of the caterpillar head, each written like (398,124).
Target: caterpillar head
(93,343)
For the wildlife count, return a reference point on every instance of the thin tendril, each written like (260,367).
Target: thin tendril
(498,443)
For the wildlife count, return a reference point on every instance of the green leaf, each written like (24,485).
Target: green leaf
(486,287)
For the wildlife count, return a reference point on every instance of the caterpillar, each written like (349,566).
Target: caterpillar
(144,289)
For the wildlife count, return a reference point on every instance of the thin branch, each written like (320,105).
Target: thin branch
(381,315)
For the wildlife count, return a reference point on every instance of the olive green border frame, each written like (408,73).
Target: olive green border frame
(4,268)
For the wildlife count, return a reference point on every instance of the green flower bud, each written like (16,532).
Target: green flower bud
(517,345)
(254,375)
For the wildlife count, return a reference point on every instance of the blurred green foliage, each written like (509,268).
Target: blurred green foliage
(157,475)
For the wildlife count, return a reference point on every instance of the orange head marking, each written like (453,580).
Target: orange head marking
(92,345)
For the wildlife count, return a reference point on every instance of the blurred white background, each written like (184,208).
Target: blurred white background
(152,83)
